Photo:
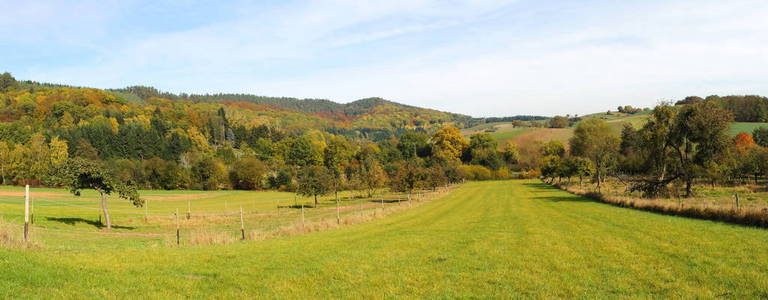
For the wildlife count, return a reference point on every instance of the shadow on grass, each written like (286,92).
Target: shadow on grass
(386,201)
(97,224)
(565,199)
(298,206)
(540,185)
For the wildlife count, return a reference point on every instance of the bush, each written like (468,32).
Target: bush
(475,172)
(530,174)
(502,173)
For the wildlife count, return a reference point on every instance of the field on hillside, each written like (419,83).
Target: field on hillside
(503,132)
(738,127)
(502,239)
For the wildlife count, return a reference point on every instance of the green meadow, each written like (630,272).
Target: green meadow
(494,239)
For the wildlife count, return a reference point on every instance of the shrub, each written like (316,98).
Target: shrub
(475,172)
(530,174)
(12,236)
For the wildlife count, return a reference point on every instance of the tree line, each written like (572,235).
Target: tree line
(163,143)
(679,145)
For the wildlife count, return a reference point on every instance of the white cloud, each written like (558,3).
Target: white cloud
(493,58)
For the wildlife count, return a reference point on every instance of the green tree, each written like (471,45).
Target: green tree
(594,140)
(760,135)
(77,174)
(559,122)
(314,181)
(209,173)
(336,157)
(511,153)
(302,152)
(248,173)
(7,82)
(553,147)
(699,135)
(407,176)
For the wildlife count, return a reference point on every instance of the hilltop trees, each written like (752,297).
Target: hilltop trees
(559,122)
(7,82)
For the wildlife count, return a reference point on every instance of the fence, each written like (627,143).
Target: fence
(252,224)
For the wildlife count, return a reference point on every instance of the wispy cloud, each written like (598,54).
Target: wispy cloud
(476,57)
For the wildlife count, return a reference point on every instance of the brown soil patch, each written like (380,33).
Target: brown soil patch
(31,193)
(178,197)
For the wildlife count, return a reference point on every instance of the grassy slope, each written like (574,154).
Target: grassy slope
(616,121)
(512,238)
(738,127)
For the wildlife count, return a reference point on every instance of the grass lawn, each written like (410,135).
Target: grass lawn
(738,127)
(502,239)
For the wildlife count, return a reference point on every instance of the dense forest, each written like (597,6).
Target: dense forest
(748,108)
(158,140)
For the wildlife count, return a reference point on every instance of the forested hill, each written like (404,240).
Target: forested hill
(321,107)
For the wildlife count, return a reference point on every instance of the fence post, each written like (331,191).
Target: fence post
(26,213)
(189,209)
(31,210)
(242,223)
(178,235)
(302,216)
(278,207)
(146,210)
(382,202)
(338,217)
(738,205)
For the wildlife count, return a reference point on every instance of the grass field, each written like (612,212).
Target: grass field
(503,239)
(738,127)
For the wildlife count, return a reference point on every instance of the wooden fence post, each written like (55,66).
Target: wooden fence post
(178,233)
(146,210)
(242,224)
(26,213)
(31,210)
(189,209)
(302,216)
(738,205)
(338,217)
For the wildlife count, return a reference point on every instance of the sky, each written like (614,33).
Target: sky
(476,57)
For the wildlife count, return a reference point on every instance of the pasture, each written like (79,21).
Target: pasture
(502,239)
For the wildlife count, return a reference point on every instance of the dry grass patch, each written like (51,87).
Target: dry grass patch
(12,236)
(750,216)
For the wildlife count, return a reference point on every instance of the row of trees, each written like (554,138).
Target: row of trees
(684,144)
(747,108)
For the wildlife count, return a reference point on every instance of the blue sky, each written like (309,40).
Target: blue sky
(478,57)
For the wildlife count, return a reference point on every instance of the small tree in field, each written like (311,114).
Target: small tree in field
(77,174)
(314,181)
(371,175)
(408,175)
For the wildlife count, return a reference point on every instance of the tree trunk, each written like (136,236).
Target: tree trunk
(688,187)
(104,209)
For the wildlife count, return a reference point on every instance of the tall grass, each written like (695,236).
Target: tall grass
(745,216)
(12,236)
